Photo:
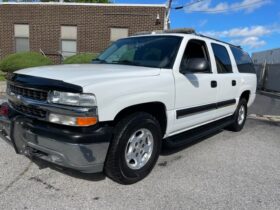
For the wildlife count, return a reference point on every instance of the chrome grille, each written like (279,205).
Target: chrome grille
(28,92)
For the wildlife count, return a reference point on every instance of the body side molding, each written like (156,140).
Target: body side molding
(193,110)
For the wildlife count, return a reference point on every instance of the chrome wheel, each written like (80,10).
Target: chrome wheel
(139,149)
(241,114)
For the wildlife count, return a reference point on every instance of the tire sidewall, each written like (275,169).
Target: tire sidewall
(146,123)
(243,103)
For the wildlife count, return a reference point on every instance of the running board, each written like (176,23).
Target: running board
(197,133)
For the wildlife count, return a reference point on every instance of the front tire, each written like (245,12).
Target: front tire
(239,116)
(134,149)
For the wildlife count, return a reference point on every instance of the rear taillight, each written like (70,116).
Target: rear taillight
(4,109)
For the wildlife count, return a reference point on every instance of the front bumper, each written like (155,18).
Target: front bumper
(84,150)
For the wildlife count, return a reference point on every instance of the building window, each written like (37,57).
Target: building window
(68,40)
(118,33)
(21,37)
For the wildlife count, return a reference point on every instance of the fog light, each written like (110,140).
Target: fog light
(72,121)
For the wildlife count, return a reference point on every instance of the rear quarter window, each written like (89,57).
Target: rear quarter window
(222,59)
(243,60)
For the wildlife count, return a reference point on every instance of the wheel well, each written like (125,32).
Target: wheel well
(246,95)
(157,109)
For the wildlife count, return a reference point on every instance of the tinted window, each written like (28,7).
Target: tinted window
(222,59)
(149,51)
(243,60)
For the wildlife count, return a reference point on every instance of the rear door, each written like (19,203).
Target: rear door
(227,80)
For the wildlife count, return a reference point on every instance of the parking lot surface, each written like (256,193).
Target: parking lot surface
(224,171)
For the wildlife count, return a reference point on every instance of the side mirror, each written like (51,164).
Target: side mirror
(194,65)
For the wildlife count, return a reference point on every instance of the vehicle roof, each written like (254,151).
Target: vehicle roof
(183,32)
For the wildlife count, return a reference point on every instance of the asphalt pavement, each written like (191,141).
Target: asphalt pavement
(223,171)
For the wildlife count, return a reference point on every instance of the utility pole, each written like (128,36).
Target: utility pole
(167,15)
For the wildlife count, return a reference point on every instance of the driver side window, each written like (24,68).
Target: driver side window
(196,49)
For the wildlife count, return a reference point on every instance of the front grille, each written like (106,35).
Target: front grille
(29,111)
(28,93)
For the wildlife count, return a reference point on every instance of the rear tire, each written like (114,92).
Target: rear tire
(134,149)
(239,116)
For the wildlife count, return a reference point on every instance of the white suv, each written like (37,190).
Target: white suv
(114,114)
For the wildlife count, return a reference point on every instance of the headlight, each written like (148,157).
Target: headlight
(73,99)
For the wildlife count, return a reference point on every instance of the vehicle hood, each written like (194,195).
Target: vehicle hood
(86,74)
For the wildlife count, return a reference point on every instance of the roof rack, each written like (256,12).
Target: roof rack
(181,31)
(217,40)
(169,31)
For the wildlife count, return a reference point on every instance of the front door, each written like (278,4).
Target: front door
(196,93)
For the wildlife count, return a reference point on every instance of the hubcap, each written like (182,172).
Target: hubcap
(139,148)
(241,114)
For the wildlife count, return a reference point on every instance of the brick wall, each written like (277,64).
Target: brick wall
(93,24)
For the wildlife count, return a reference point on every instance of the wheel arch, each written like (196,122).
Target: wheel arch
(246,94)
(157,109)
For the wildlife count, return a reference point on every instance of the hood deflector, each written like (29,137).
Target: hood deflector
(43,83)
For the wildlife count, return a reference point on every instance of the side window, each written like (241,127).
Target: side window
(222,58)
(243,61)
(195,49)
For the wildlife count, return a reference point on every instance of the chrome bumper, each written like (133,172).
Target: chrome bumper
(84,157)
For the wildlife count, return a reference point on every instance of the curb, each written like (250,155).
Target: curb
(271,94)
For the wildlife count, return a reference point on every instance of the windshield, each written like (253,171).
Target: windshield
(148,51)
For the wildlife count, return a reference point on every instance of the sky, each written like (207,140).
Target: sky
(253,24)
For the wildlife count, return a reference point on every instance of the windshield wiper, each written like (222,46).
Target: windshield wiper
(126,62)
(97,60)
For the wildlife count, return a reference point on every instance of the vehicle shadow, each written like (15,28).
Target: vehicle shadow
(42,164)
(170,150)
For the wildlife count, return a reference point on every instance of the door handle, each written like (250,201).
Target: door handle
(214,84)
(233,82)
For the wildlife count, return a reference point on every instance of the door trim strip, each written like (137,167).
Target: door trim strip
(193,110)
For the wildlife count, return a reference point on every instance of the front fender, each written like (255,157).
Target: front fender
(108,112)
(114,95)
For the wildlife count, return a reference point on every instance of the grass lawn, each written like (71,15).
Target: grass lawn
(2,76)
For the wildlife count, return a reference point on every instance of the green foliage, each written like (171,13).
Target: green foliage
(2,76)
(93,1)
(80,58)
(23,60)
